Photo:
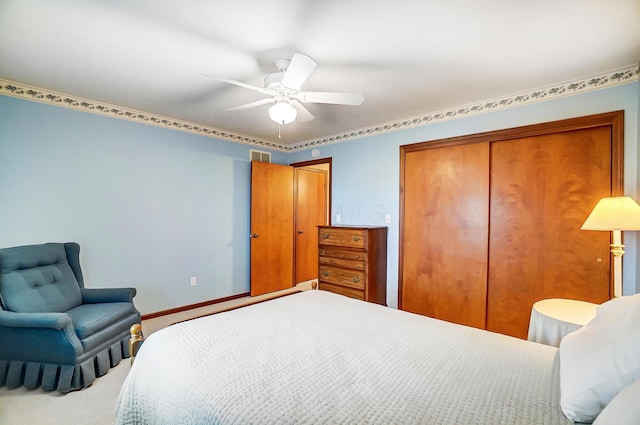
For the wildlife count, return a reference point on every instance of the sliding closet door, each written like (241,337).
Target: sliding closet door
(542,190)
(504,209)
(444,232)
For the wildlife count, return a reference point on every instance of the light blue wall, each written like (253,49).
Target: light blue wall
(366,172)
(637,147)
(152,207)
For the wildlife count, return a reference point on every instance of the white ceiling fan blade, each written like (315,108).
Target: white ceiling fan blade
(241,84)
(338,98)
(253,104)
(303,113)
(299,69)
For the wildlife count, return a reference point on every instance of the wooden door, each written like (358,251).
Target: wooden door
(544,180)
(311,211)
(271,227)
(444,233)
(542,190)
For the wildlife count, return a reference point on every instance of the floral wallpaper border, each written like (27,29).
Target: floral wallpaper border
(45,96)
(612,78)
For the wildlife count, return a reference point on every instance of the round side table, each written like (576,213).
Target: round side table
(554,318)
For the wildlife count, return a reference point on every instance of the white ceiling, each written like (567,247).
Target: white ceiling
(408,57)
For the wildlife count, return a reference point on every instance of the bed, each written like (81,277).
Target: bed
(318,357)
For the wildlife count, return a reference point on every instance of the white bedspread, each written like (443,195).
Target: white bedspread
(317,357)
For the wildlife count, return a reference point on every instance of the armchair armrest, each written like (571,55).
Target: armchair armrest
(56,321)
(107,295)
(39,337)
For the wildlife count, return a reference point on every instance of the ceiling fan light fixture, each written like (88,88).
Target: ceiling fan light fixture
(283,113)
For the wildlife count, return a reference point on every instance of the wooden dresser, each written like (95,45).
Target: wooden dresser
(352,261)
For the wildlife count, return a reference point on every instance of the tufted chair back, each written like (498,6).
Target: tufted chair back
(40,278)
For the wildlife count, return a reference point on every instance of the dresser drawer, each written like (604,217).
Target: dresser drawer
(355,238)
(341,253)
(342,258)
(350,264)
(349,292)
(350,278)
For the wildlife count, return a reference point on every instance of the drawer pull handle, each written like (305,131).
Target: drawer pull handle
(325,273)
(356,238)
(356,279)
(323,252)
(325,236)
(357,257)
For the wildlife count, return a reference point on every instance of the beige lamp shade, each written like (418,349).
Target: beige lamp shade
(614,213)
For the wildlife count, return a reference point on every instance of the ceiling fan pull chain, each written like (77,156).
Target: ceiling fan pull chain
(279,137)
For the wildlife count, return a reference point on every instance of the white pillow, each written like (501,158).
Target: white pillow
(598,360)
(624,409)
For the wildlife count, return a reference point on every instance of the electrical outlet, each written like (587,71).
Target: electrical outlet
(194,282)
(337,218)
(387,218)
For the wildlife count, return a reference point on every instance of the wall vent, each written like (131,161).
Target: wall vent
(259,156)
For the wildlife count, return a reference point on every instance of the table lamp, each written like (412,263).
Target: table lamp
(615,214)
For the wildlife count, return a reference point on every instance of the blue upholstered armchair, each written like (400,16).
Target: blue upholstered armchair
(54,332)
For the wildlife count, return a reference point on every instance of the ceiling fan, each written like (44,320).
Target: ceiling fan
(284,90)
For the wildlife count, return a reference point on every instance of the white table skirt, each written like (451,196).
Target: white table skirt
(554,318)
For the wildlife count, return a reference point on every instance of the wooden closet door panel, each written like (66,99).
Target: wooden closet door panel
(445,237)
(311,212)
(542,190)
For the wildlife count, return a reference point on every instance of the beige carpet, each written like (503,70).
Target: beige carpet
(94,405)
(91,406)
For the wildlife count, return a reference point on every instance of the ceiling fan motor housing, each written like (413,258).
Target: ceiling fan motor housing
(273,81)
